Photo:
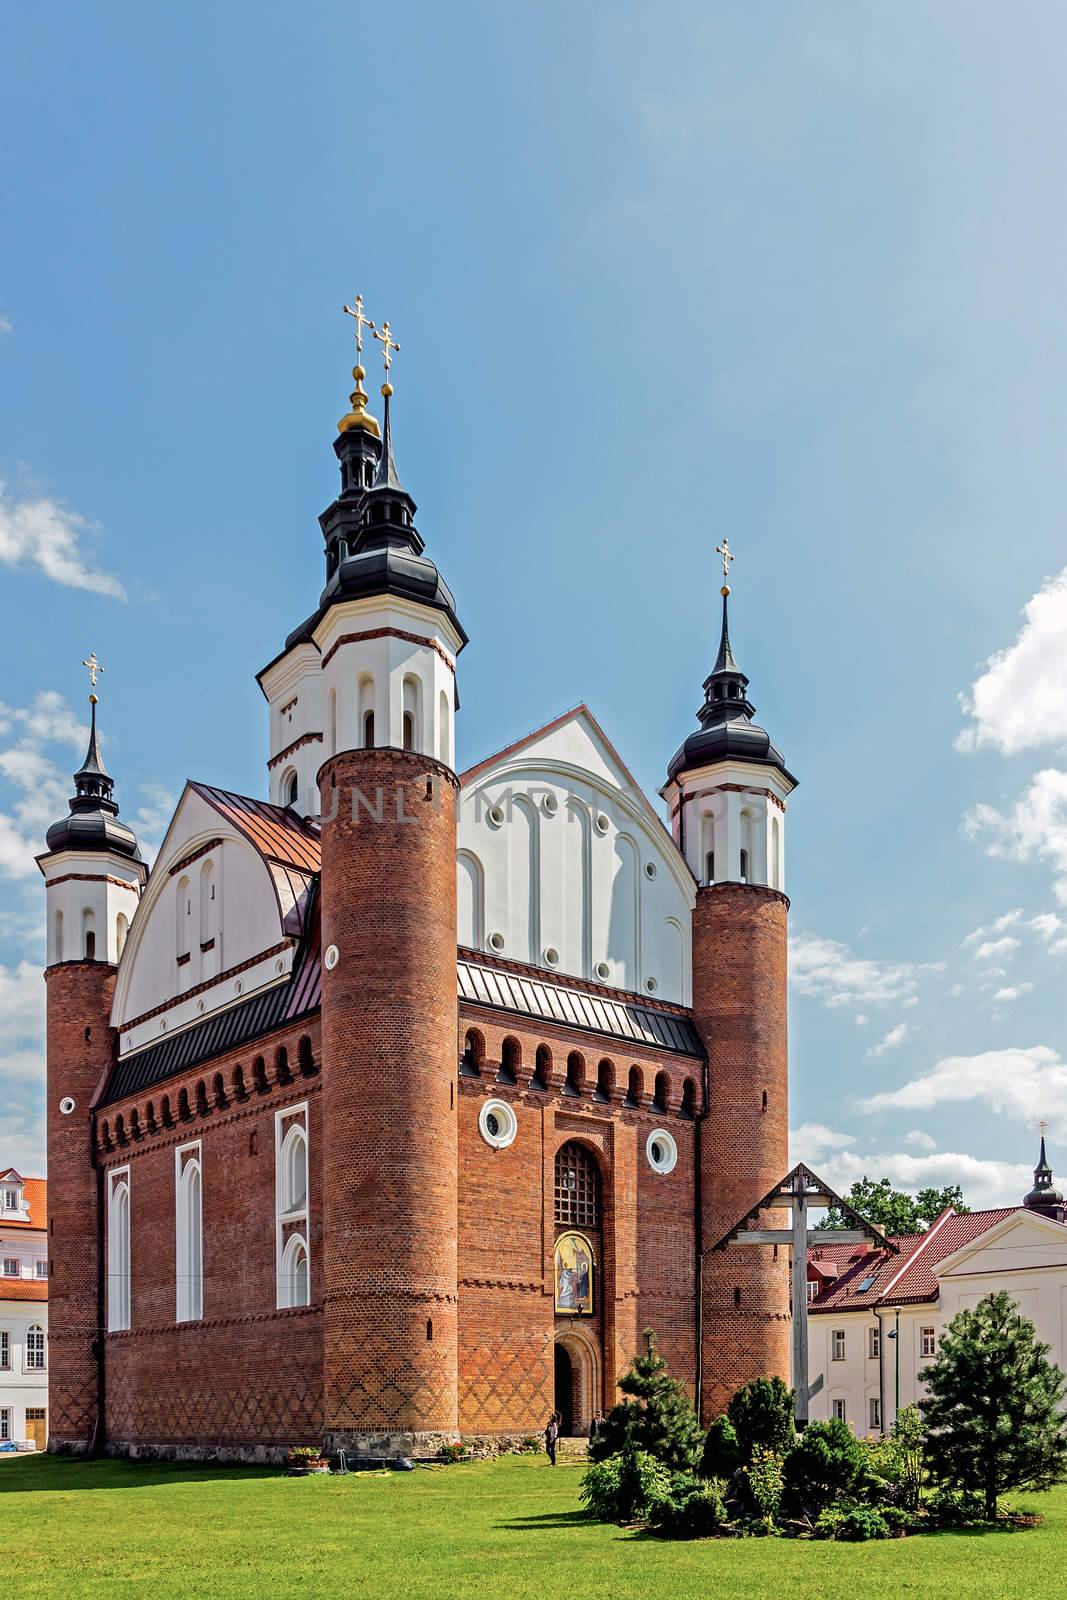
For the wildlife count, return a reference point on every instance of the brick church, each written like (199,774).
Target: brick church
(395,1105)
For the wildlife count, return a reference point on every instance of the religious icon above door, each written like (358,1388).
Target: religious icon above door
(575,1266)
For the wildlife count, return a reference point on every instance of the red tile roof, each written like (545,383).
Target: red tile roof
(35,1190)
(909,1277)
(23,1289)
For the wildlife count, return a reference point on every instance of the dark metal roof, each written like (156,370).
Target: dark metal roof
(573,1008)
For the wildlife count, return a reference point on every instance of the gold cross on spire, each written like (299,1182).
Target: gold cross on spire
(361,321)
(388,344)
(1043,1125)
(727,556)
(94,667)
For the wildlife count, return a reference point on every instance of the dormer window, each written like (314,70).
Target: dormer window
(11,1197)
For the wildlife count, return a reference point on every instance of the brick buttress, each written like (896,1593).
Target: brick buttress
(389,1024)
(739,1006)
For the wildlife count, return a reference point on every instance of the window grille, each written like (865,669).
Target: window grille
(875,1413)
(874,1343)
(839,1411)
(929,1341)
(577,1188)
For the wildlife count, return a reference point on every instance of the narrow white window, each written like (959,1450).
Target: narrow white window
(837,1345)
(88,934)
(122,928)
(118,1250)
(412,713)
(189,1241)
(291,1203)
(36,1349)
(874,1343)
(813,1289)
(5,1350)
(839,1410)
(5,1424)
(875,1413)
(184,915)
(928,1341)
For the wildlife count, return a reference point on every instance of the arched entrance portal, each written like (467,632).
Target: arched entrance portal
(577,1380)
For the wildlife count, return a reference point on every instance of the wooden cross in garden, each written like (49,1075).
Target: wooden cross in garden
(800,1191)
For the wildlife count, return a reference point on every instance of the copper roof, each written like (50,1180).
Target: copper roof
(276,832)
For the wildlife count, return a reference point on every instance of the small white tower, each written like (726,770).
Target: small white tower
(92,867)
(727,786)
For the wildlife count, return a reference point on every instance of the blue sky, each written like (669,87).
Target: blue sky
(794,274)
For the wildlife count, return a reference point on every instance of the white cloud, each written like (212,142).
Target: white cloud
(827,970)
(1013,992)
(1035,829)
(832,1154)
(6,324)
(920,1140)
(1020,700)
(997,949)
(42,533)
(1008,920)
(892,1041)
(1046,926)
(1024,1083)
(812,1141)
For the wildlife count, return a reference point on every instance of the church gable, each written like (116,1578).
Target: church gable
(564,864)
(228,894)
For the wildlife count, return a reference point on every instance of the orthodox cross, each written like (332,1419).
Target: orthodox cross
(94,667)
(727,556)
(388,344)
(1043,1125)
(361,321)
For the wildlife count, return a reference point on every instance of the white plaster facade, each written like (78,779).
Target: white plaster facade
(23,1320)
(1023,1253)
(91,904)
(728,820)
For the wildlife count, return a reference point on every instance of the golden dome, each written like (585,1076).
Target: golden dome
(359,416)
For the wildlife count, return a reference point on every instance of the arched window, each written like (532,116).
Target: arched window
(605,1081)
(219,1089)
(443,728)
(281,1065)
(575,1081)
(150,1118)
(36,1348)
(57,954)
(184,912)
(189,1240)
(662,1091)
(165,1113)
(542,1073)
(294,1170)
(411,691)
(709,867)
(366,711)
(135,1124)
(510,1061)
(290,788)
(776,854)
(122,928)
(118,1255)
(259,1075)
(120,1129)
(747,857)
(304,1058)
(238,1080)
(635,1087)
(689,1098)
(470,1065)
(332,722)
(183,1105)
(744,866)
(577,1187)
(88,934)
(294,1288)
(202,1107)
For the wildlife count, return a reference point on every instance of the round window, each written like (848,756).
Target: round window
(66,1105)
(497,1124)
(550,805)
(331,958)
(602,823)
(661,1150)
(603,971)
(650,869)
(551,956)
(651,985)
(495,942)
(495,816)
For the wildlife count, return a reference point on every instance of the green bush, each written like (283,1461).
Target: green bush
(692,1508)
(450,1453)
(827,1464)
(722,1456)
(955,1508)
(624,1487)
(764,1482)
(863,1522)
(762,1416)
(657,1415)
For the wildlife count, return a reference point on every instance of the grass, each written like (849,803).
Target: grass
(511,1528)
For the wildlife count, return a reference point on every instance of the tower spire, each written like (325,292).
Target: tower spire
(1044,1197)
(91,823)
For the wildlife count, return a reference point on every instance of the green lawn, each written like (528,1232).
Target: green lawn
(509,1528)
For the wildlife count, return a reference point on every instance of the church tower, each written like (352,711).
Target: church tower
(385,640)
(93,876)
(726,793)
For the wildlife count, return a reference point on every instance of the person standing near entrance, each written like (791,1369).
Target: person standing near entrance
(552,1436)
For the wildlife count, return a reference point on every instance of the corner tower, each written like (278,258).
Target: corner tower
(93,876)
(386,637)
(726,792)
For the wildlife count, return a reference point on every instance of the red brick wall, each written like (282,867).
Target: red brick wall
(507,1230)
(246,1373)
(80,1046)
(388,899)
(739,1006)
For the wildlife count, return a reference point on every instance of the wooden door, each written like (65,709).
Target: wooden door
(37,1426)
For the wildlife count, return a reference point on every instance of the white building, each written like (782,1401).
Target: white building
(876,1317)
(23,1310)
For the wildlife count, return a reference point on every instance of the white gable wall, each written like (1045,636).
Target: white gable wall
(563,864)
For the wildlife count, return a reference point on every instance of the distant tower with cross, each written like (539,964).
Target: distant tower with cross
(93,876)
(726,793)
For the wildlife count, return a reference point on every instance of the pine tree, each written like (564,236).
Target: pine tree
(993,1413)
(762,1414)
(657,1415)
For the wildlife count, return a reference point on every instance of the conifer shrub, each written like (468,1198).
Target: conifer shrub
(625,1487)
(657,1415)
(761,1413)
(826,1465)
(722,1455)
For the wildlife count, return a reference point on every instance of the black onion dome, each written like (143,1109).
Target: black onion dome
(1044,1192)
(93,821)
(727,731)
